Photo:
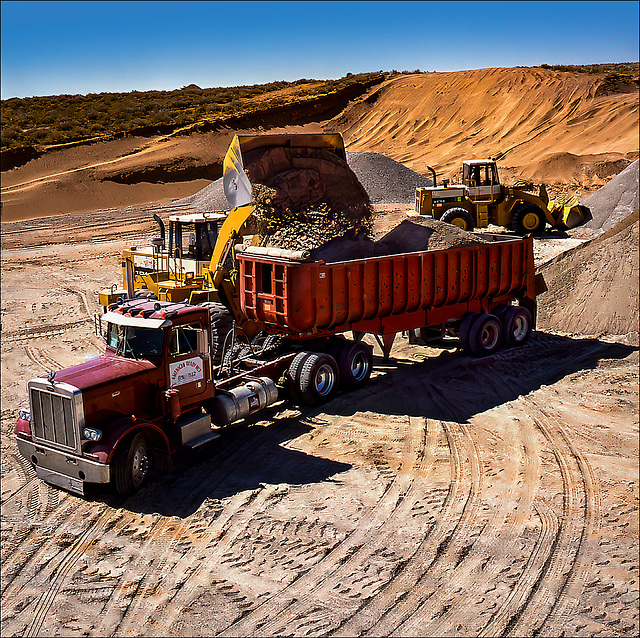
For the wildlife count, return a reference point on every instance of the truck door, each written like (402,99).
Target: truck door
(188,362)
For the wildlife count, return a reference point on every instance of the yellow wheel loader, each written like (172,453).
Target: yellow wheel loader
(195,261)
(482,200)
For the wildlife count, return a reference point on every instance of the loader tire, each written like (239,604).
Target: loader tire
(485,335)
(459,217)
(221,324)
(516,326)
(528,219)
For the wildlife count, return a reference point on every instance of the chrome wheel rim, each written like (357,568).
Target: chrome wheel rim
(140,466)
(325,380)
(359,366)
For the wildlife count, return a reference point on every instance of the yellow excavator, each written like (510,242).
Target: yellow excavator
(195,260)
(481,200)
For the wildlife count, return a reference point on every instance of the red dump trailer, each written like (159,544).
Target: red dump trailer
(431,289)
(171,376)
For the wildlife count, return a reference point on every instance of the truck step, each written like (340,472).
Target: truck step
(193,426)
(201,440)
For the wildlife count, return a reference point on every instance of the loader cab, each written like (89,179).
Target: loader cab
(481,179)
(193,237)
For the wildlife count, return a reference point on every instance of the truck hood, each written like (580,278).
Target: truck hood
(102,371)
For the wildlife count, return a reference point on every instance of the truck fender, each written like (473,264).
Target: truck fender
(121,430)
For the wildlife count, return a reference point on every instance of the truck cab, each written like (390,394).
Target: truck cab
(115,416)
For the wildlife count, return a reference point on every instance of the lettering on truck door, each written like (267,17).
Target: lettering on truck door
(187,366)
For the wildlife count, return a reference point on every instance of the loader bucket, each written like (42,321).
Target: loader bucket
(569,214)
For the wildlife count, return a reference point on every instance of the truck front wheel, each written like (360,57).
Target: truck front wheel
(528,218)
(132,465)
(458,217)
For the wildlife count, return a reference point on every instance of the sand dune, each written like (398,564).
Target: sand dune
(541,124)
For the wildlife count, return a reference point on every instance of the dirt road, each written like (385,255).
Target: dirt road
(451,496)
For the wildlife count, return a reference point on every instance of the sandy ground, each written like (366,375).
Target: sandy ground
(451,496)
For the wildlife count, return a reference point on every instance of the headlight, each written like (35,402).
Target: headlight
(92,434)
(25,415)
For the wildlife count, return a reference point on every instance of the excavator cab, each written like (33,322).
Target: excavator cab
(481,179)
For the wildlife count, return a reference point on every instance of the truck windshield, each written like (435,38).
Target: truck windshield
(135,342)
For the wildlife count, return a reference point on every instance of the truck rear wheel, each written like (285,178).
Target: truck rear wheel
(527,219)
(459,217)
(354,365)
(485,335)
(317,378)
(516,324)
(132,465)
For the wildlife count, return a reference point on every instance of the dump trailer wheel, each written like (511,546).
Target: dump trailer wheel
(318,378)
(465,330)
(293,377)
(132,465)
(527,219)
(459,217)
(355,362)
(221,324)
(516,325)
(485,335)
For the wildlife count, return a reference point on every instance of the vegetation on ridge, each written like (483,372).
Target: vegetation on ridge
(61,119)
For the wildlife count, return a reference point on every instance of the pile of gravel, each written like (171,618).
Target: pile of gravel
(385,181)
(616,200)
(411,235)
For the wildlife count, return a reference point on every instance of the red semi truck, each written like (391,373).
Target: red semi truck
(172,378)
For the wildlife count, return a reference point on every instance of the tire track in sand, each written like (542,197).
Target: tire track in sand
(294,600)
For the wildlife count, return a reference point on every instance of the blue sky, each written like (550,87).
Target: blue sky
(49,48)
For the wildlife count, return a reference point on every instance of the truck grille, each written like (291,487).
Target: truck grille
(52,417)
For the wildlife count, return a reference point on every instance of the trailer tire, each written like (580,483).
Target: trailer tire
(355,362)
(221,324)
(465,330)
(293,377)
(132,465)
(459,217)
(318,378)
(527,218)
(485,335)
(517,324)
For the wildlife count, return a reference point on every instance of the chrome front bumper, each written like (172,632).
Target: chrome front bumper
(65,470)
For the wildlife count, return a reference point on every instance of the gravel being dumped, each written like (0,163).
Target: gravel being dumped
(384,180)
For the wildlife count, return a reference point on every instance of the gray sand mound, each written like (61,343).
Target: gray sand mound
(616,200)
(593,288)
(384,180)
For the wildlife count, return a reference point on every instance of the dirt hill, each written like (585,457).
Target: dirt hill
(593,289)
(560,127)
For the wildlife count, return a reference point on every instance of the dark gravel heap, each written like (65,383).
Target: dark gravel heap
(616,200)
(385,181)
(411,235)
